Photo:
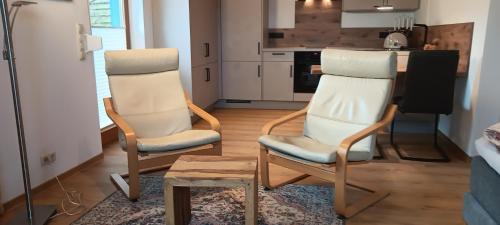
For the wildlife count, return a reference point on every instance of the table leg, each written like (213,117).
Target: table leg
(251,200)
(177,205)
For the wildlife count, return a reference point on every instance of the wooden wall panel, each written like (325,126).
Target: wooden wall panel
(317,24)
(451,37)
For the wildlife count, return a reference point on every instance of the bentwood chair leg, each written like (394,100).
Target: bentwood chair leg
(380,150)
(264,168)
(133,179)
(218,148)
(340,189)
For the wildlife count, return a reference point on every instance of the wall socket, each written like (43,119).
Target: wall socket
(48,159)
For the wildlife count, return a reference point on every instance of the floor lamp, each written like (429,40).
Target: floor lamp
(34,215)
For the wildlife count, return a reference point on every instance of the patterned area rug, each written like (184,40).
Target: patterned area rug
(292,204)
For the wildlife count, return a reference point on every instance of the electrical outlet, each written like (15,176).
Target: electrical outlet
(48,159)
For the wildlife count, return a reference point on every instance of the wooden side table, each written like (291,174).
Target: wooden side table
(208,171)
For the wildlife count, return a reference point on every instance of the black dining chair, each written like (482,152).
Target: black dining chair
(429,89)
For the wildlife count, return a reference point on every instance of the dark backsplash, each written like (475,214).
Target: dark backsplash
(317,24)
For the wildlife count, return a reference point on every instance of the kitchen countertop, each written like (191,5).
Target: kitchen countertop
(314,49)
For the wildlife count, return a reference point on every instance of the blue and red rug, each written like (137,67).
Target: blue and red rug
(292,204)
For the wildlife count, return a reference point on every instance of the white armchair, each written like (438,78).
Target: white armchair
(351,104)
(151,110)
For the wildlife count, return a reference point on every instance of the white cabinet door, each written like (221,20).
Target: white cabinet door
(241,30)
(205,85)
(204,20)
(281,14)
(242,80)
(368,5)
(360,5)
(406,5)
(278,81)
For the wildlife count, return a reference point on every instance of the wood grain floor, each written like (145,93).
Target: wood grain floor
(421,193)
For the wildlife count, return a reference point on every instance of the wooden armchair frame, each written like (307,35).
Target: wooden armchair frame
(138,163)
(335,172)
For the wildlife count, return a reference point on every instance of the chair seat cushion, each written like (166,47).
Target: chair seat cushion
(309,149)
(185,139)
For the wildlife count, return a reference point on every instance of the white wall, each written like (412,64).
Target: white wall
(488,104)
(58,95)
(141,25)
(171,29)
(460,126)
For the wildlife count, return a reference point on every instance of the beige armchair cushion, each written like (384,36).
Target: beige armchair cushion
(131,62)
(350,99)
(147,92)
(307,148)
(185,139)
(363,64)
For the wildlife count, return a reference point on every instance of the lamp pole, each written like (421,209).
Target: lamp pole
(29,216)
(17,107)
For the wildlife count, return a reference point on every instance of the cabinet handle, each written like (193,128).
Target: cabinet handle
(258,71)
(291,71)
(207,49)
(258,48)
(207,71)
(278,53)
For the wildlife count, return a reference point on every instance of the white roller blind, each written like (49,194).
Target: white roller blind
(112,39)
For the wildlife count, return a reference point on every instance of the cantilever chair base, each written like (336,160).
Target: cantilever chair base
(444,157)
(325,172)
(155,163)
(138,164)
(334,172)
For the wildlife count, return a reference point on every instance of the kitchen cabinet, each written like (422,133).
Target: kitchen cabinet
(206,85)
(277,81)
(278,73)
(242,80)
(196,39)
(281,14)
(204,31)
(368,5)
(241,48)
(241,30)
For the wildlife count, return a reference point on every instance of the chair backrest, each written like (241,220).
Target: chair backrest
(430,82)
(147,91)
(352,94)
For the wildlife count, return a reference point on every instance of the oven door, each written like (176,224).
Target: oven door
(304,81)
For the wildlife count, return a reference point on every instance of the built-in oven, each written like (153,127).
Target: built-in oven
(304,81)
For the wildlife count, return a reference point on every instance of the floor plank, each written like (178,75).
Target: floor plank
(421,193)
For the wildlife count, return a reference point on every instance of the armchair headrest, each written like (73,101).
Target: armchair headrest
(141,61)
(363,64)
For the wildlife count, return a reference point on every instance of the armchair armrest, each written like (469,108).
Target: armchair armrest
(214,123)
(347,143)
(120,123)
(268,128)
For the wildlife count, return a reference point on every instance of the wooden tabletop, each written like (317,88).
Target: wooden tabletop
(316,69)
(190,168)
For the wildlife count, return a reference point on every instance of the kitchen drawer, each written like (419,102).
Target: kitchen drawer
(278,56)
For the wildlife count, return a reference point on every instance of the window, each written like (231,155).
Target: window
(107,21)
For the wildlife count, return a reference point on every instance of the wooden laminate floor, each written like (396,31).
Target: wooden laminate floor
(421,193)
